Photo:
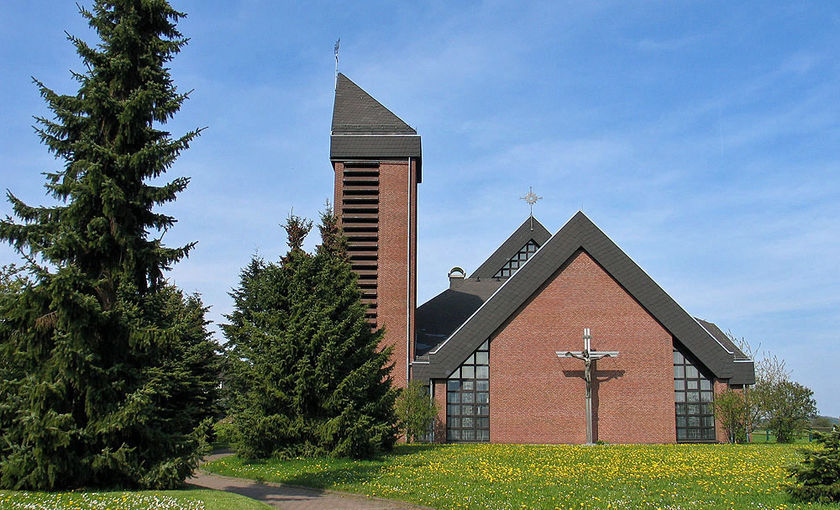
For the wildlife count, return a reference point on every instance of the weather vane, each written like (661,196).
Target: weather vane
(337,45)
(531,198)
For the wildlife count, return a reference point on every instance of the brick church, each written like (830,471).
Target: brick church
(502,349)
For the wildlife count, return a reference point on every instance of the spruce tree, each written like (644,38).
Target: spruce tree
(114,376)
(306,365)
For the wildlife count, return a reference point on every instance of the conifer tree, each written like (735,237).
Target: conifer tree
(307,368)
(114,377)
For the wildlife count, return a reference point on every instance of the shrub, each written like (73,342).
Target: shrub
(415,411)
(818,476)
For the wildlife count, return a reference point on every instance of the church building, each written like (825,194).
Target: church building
(555,338)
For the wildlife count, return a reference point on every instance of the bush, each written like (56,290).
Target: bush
(818,476)
(415,411)
(731,411)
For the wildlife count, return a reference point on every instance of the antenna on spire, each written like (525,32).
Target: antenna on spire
(337,46)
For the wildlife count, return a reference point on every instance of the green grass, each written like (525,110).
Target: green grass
(761,436)
(557,476)
(139,500)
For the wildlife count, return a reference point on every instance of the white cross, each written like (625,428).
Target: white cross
(589,357)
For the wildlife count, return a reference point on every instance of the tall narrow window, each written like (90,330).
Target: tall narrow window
(694,396)
(468,399)
(517,260)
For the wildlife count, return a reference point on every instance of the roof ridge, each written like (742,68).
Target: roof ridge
(580,233)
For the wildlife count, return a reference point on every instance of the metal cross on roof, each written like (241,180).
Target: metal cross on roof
(531,198)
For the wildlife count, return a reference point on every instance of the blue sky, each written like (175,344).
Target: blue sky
(702,137)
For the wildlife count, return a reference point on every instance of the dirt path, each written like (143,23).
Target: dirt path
(293,497)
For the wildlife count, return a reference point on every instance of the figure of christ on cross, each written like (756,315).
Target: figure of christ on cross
(589,358)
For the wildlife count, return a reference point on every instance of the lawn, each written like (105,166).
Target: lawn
(557,476)
(140,500)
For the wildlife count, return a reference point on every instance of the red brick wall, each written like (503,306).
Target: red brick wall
(536,397)
(396,272)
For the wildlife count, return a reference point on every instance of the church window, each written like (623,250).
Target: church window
(694,398)
(468,399)
(517,260)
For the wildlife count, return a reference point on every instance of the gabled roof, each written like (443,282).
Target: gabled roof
(530,229)
(364,129)
(579,233)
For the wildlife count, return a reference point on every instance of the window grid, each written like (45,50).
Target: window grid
(517,260)
(694,396)
(468,399)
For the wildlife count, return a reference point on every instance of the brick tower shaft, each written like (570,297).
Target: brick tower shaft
(377,163)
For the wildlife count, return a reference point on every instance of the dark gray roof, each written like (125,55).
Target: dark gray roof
(438,317)
(581,234)
(363,129)
(723,338)
(743,366)
(345,147)
(356,112)
(530,229)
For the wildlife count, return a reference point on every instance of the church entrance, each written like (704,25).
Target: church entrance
(468,399)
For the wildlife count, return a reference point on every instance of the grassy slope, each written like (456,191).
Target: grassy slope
(561,476)
(140,500)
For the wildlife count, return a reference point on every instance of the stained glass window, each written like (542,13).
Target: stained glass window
(517,260)
(468,399)
(694,396)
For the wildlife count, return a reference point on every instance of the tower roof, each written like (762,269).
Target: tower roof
(357,112)
(363,129)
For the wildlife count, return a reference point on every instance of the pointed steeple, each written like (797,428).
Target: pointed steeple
(363,129)
(356,112)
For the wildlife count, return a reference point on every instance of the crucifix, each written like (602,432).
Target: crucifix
(589,358)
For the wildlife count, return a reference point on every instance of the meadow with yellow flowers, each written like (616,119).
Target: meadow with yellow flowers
(127,500)
(550,476)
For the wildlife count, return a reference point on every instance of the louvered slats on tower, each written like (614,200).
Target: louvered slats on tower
(360,221)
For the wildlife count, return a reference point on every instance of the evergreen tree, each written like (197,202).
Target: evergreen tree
(818,476)
(306,368)
(114,376)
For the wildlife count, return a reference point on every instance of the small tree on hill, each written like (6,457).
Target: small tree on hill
(306,371)
(415,410)
(109,374)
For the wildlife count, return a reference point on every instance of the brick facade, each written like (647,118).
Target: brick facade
(397,265)
(389,281)
(536,397)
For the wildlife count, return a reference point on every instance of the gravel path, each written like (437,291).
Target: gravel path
(293,497)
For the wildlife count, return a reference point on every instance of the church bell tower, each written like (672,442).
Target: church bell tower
(377,162)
